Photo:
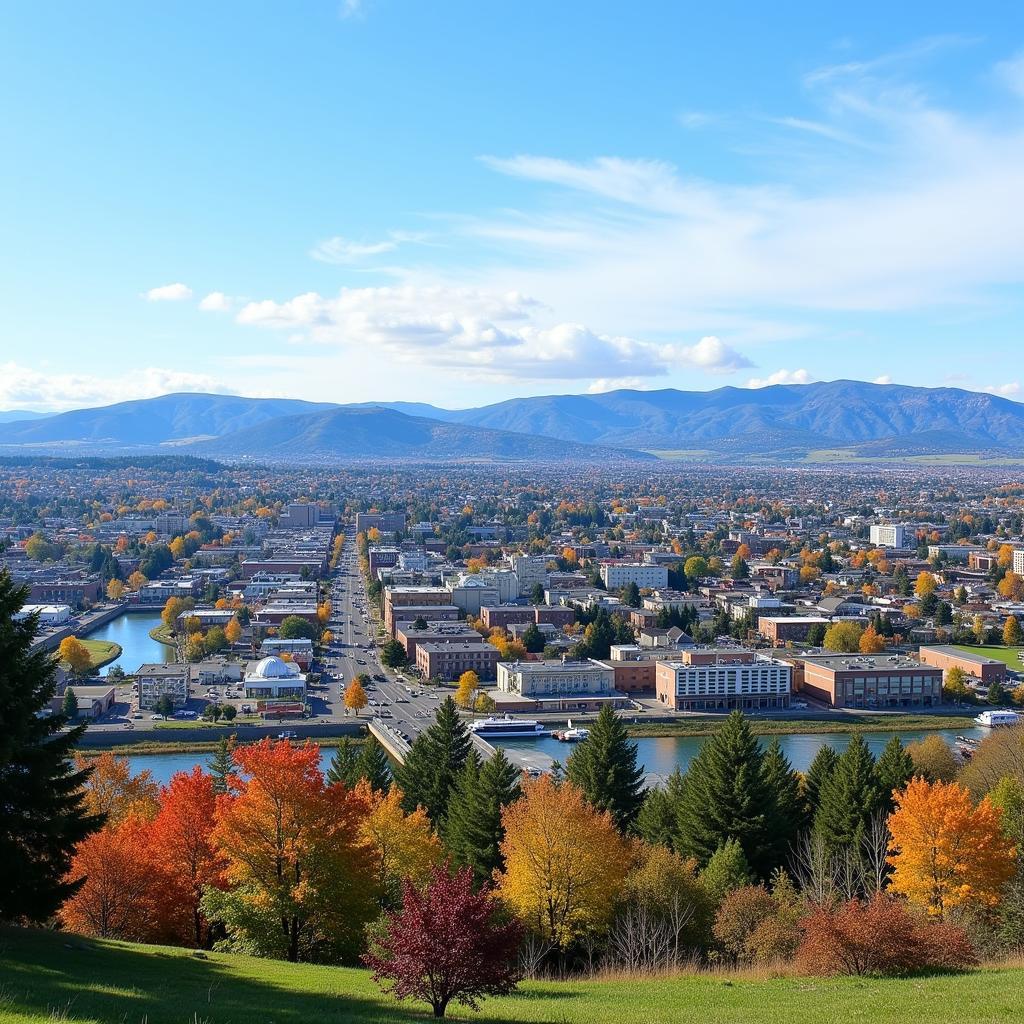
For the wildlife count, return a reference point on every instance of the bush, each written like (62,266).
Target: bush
(879,937)
(754,925)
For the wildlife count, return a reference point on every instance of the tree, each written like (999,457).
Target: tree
(343,768)
(537,594)
(434,762)
(164,706)
(739,569)
(326,637)
(605,769)
(955,686)
(447,942)
(945,851)
(233,631)
(894,769)
(657,823)
(472,829)
(114,793)
(75,655)
(696,567)
(485,704)
(849,799)
(294,627)
(355,697)
(786,812)
(44,813)
(843,637)
(137,580)
(300,879)
(403,845)
(871,642)
(726,870)
(533,639)
(373,767)
(995,694)
(933,760)
(821,767)
(115,590)
(174,607)
(465,694)
(1012,632)
(392,654)
(69,705)
(725,797)
(222,765)
(630,595)
(564,862)
(925,585)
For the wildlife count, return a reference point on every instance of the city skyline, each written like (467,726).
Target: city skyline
(312,204)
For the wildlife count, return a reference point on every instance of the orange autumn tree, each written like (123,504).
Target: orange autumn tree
(300,877)
(565,862)
(181,842)
(946,852)
(113,790)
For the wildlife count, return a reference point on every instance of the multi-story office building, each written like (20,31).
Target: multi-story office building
(868,681)
(616,575)
(719,679)
(890,535)
(156,681)
(449,660)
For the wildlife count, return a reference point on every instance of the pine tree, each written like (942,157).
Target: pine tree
(43,813)
(69,705)
(658,821)
(849,798)
(725,797)
(893,770)
(787,815)
(473,830)
(222,764)
(342,768)
(604,767)
(373,766)
(433,764)
(821,768)
(726,871)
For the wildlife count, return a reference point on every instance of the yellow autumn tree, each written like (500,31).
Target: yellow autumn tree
(75,655)
(233,631)
(355,697)
(113,790)
(945,851)
(871,641)
(925,584)
(469,683)
(565,862)
(403,845)
(115,590)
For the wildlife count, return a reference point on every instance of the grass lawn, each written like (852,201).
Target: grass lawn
(707,726)
(163,635)
(47,976)
(1009,656)
(101,652)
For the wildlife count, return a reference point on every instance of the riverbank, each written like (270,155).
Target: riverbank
(805,725)
(191,746)
(163,635)
(101,652)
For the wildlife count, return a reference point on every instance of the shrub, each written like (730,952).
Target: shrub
(879,937)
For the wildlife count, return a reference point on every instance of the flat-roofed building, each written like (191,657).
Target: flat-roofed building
(274,679)
(158,680)
(396,598)
(448,661)
(93,701)
(722,679)
(547,678)
(868,681)
(986,670)
(616,575)
(782,629)
(435,632)
(890,535)
(49,614)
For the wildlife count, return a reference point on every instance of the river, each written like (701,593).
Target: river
(131,631)
(659,755)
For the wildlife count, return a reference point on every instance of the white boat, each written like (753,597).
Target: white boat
(572,734)
(992,719)
(507,726)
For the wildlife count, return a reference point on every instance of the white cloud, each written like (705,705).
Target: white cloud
(24,387)
(603,384)
(342,250)
(1011,73)
(483,333)
(216,302)
(1007,390)
(781,377)
(884,379)
(169,293)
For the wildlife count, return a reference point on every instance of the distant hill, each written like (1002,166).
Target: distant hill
(13,415)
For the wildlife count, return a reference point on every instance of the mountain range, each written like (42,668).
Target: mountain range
(837,419)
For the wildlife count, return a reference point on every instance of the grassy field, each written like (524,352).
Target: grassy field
(48,976)
(701,726)
(171,746)
(101,652)
(1010,656)
(163,635)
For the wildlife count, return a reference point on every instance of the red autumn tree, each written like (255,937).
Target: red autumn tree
(181,843)
(446,942)
(879,937)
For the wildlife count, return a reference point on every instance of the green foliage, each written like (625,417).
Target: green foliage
(69,705)
(373,766)
(294,627)
(849,799)
(392,654)
(726,871)
(787,815)
(820,769)
(343,767)
(221,764)
(604,767)
(658,822)
(894,769)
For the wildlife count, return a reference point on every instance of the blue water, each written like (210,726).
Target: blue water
(137,646)
(659,755)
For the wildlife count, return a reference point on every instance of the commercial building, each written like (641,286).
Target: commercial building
(721,679)
(530,570)
(890,535)
(1018,561)
(781,629)
(274,679)
(49,614)
(449,660)
(616,575)
(300,650)
(556,678)
(93,701)
(157,680)
(386,522)
(435,632)
(868,681)
(985,670)
(396,598)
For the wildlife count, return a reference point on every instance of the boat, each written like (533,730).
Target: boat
(507,726)
(994,719)
(572,734)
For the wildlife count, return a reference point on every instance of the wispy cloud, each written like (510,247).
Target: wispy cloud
(781,377)
(177,292)
(343,250)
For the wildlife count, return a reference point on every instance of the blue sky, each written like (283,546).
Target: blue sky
(462,202)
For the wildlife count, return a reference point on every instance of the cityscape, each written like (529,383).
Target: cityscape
(497,528)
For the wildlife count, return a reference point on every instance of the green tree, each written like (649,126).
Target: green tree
(533,639)
(392,654)
(894,769)
(787,816)
(725,797)
(727,870)
(696,567)
(630,595)
(433,764)
(537,594)
(221,764)
(373,766)
(658,820)
(996,694)
(473,831)
(739,569)
(41,793)
(821,768)
(343,766)
(849,799)
(69,705)
(605,768)
(843,637)
(294,627)
(164,706)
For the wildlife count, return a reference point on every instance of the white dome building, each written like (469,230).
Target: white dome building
(274,679)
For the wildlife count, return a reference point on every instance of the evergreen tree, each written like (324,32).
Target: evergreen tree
(821,768)
(725,797)
(787,816)
(343,766)
(537,593)
(42,810)
(849,798)
(657,823)
(433,764)
(69,705)
(894,769)
(473,829)
(221,764)
(726,871)
(604,767)
(373,766)
(533,639)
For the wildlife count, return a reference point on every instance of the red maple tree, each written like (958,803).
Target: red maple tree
(446,942)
